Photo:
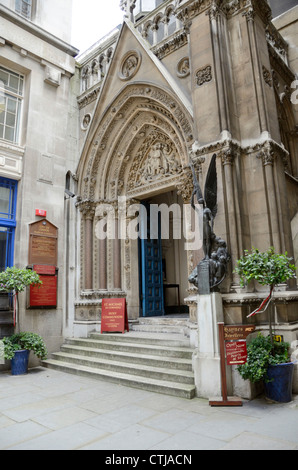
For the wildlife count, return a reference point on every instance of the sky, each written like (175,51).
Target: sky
(92,20)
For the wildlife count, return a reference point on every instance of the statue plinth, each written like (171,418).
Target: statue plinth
(203,279)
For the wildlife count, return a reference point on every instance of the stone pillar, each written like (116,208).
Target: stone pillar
(117,257)
(268,157)
(103,284)
(206,359)
(88,212)
(234,230)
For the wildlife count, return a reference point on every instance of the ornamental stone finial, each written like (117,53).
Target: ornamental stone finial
(128,7)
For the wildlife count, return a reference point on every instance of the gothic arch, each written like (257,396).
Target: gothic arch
(142,116)
(143,123)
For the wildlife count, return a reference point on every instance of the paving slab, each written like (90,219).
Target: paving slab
(53,410)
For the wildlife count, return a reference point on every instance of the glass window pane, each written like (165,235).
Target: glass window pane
(11,105)
(3,248)
(10,119)
(1,131)
(4,201)
(9,134)
(2,116)
(4,77)
(14,83)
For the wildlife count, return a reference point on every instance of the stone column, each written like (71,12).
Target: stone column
(88,212)
(117,257)
(261,110)
(228,157)
(268,157)
(218,38)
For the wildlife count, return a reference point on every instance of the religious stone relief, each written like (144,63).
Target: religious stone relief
(183,69)
(160,161)
(130,65)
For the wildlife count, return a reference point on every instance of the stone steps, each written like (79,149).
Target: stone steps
(159,363)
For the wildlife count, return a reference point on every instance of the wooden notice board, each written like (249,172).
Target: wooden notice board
(43,244)
(114,317)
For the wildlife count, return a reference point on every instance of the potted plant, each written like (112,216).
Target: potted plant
(268,360)
(16,280)
(17,348)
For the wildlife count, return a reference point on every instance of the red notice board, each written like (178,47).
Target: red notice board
(236,353)
(114,317)
(44,296)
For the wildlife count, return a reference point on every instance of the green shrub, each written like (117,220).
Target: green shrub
(262,353)
(29,341)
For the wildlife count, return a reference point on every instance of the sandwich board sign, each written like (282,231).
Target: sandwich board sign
(114,317)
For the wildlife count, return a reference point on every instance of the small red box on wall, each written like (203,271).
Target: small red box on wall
(40,213)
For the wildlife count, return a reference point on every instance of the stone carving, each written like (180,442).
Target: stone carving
(267,76)
(183,69)
(130,65)
(161,162)
(204,75)
(128,7)
(211,271)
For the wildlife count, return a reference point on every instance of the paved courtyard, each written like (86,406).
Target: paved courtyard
(51,410)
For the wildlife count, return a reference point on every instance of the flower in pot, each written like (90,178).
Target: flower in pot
(17,348)
(267,360)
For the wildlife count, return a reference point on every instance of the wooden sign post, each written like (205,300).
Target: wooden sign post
(236,352)
(114,317)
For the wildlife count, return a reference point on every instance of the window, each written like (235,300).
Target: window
(24,8)
(8,199)
(11,97)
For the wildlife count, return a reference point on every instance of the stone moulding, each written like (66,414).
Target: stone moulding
(170,45)
(186,10)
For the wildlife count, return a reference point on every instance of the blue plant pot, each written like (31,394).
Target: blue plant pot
(281,386)
(19,364)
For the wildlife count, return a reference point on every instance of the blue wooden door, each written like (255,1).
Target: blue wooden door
(152,297)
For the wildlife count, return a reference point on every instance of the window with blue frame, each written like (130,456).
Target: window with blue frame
(8,202)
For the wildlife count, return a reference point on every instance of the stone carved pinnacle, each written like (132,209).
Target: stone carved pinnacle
(128,7)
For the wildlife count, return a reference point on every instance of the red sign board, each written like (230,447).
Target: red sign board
(236,353)
(44,269)
(40,213)
(46,294)
(114,316)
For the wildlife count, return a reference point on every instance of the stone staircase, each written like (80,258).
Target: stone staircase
(151,360)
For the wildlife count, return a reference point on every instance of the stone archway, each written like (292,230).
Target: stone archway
(139,148)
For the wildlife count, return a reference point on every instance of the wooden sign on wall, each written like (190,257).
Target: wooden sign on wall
(43,254)
(43,243)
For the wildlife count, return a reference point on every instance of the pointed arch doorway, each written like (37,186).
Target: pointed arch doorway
(163,260)
(138,152)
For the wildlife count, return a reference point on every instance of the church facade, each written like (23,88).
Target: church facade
(185,81)
(177,83)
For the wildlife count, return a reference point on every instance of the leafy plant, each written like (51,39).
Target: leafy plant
(261,354)
(268,268)
(14,279)
(20,341)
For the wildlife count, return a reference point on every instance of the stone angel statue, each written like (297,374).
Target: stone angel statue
(212,270)
(209,203)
